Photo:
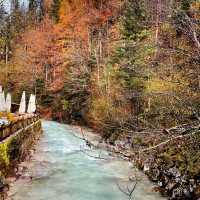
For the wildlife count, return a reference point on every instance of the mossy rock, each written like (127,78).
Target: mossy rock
(4,157)
(137,140)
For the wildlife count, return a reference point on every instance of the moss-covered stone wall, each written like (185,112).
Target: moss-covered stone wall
(16,140)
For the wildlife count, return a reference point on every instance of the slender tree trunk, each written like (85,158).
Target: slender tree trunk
(6,56)
(46,73)
(158,11)
(100,46)
(89,42)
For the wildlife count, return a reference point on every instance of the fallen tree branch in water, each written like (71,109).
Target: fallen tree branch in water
(92,156)
(107,148)
(129,191)
(129,188)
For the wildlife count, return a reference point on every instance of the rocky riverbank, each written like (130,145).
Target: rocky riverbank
(175,167)
(170,158)
(173,164)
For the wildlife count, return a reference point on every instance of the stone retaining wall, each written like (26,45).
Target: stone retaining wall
(16,139)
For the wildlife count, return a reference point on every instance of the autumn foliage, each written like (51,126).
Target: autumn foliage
(109,63)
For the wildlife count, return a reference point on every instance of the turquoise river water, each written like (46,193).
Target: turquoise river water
(58,170)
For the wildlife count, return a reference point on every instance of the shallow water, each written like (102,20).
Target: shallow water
(60,171)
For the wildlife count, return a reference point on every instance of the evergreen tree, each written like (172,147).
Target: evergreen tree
(16,17)
(7,36)
(32,6)
(2,13)
(185,4)
(134,31)
(2,31)
(41,11)
(55,10)
(133,19)
(181,15)
(15,5)
(36,11)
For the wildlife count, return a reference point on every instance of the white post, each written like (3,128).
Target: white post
(2,102)
(31,104)
(34,103)
(8,102)
(22,107)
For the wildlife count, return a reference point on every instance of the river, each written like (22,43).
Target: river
(58,170)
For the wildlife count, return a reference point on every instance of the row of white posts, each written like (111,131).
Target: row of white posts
(5,103)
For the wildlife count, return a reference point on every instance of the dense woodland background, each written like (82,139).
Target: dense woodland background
(115,65)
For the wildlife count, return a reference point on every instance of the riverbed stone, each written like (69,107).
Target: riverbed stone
(171,185)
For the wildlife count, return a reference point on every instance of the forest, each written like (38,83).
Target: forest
(120,67)
(122,64)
